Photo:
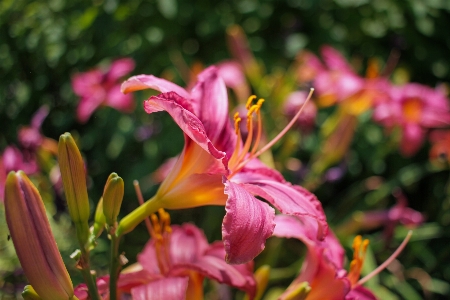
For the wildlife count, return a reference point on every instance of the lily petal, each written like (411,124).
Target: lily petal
(142,82)
(182,113)
(210,101)
(289,199)
(247,224)
(187,244)
(164,289)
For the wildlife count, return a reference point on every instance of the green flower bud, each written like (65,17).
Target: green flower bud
(112,198)
(74,181)
(33,240)
(99,220)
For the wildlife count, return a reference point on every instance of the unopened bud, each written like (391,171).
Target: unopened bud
(99,219)
(297,292)
(33,240)
(112,198)
(74,181)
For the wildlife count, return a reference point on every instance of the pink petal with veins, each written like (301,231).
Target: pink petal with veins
(247,224)
(142,82)
(173,288)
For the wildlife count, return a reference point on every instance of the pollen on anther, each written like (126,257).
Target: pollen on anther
(250,101)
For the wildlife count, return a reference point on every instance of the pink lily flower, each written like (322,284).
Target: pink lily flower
(414,108)
(323,266)
(173,265)
(294,101)
(337,82)
(216,168)
(31,140)
(102,87)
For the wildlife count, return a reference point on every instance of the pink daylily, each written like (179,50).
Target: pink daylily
(102,87)
(174,263)
(216,168)
(31,140)
(323,265)
(414,108)
(336,82)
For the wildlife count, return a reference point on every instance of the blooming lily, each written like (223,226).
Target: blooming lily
(217,168)
(336,81)
(101,87)
(174,263)
(414,108)
(323,266)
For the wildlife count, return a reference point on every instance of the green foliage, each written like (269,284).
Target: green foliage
(44,43)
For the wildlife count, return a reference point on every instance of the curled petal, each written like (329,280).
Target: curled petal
(210,102)
(164,289)
(247,224)
(291,200)
(181,112)
(142,82)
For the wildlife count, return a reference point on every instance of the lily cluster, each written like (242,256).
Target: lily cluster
(219,165)
(413,108)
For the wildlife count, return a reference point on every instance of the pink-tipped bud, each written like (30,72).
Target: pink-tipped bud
(74,180)
(33,240)
(112,198)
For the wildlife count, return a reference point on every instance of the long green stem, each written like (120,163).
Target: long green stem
(114,267)
(88,278)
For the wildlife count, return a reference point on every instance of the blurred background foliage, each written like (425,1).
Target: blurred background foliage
(44,43)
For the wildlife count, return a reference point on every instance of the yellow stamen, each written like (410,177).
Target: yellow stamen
(250,101)
(239,162)
(359,254)
(160,232)
(258,134)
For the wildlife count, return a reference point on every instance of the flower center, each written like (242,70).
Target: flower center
(359,253)
(160,231)
(412,109)
(243,154)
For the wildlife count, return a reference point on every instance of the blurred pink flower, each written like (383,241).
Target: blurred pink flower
(414,108)
(217,168)
(400,213)
(335,81)
(294,102)
(30,140)
(174,263)
(102,87)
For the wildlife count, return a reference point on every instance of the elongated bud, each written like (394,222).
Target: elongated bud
(112,198)
(33,239)
(74,181)
(99,219)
